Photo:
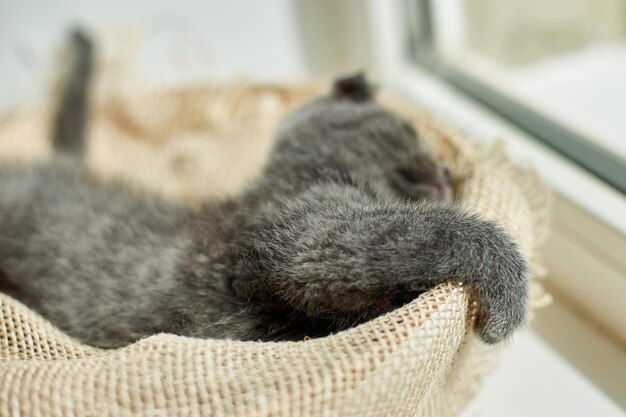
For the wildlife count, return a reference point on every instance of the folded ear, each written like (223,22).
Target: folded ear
(353,87)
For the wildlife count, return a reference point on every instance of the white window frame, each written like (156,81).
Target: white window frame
(585,256)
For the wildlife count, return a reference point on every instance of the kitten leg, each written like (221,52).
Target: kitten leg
(335,251)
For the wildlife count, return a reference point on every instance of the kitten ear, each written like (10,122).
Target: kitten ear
(353,87)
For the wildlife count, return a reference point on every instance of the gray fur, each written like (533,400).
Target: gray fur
(349,220)
(71,117)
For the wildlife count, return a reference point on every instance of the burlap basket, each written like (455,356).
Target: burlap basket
(206,142)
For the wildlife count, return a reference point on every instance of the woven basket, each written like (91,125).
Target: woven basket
(420,360)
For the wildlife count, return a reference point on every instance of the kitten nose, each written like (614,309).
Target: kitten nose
(443,189)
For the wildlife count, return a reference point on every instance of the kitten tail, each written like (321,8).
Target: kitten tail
(71,117)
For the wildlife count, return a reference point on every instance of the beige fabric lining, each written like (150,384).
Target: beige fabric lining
(207,142)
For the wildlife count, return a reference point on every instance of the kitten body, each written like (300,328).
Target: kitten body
(348,221)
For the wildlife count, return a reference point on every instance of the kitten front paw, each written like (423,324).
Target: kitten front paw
(501,318)
(502,289)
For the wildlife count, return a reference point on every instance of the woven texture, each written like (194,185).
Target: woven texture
(207,142)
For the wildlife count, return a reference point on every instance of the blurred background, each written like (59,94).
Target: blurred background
(548,76)
(559,65)
(167,42)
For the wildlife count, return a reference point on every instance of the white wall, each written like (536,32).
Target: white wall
(189,39)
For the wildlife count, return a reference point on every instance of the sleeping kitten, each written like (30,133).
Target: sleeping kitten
(349,220)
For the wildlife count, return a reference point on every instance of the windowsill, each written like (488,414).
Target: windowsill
(533,380)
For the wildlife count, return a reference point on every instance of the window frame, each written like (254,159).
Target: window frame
(579,324)
(422,49)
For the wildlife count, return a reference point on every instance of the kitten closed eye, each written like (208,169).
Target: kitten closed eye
(411,183)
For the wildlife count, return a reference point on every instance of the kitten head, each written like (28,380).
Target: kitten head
(348,130)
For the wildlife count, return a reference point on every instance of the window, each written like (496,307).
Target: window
(548,77)
(556,68)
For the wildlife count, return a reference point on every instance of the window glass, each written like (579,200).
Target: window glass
(562,60)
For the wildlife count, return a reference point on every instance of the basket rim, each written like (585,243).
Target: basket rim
(375,328)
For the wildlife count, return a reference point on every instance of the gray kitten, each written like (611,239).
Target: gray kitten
(348,221)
